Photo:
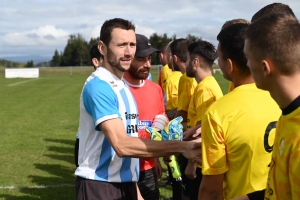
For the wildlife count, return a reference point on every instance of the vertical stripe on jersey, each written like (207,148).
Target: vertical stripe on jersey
(125,162)
(104,161)
(127,108)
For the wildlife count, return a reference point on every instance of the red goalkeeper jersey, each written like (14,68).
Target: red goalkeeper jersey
(150,102)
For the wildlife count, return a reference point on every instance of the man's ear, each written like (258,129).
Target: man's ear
(267,67)
(102,48)
(196,62)
(95,62)
(229,66)
(175,58)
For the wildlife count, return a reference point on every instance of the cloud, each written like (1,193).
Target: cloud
(45,35)
(43,26)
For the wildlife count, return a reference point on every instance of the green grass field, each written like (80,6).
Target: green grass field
(38,124)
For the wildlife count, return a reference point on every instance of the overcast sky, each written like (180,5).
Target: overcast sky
(38,27)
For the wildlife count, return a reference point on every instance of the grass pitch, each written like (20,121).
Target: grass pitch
(38,124)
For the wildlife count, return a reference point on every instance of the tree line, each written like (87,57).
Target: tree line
(76,52)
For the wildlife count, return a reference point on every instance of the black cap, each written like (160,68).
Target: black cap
(143,46)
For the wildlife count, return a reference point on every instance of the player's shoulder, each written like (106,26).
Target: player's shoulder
(151,84)
(174,77)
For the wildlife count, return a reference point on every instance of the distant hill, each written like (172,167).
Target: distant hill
(24,59)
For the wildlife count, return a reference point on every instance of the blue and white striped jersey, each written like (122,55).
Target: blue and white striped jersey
(105,96)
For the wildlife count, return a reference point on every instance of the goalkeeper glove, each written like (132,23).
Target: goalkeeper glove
(172,131)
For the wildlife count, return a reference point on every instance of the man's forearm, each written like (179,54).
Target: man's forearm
(140,147)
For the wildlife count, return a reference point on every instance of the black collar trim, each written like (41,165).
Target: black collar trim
(293,106)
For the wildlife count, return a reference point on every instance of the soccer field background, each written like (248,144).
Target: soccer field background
(38,124)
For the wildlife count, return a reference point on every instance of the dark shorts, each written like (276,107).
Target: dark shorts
(96,190)
(257,195)
(185,181)
(148,184)
(194,185)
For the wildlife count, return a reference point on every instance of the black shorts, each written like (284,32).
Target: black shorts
(194,185)
(87,189)
(185,180)
(257,195)
(148,184)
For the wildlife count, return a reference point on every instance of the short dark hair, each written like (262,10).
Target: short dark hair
(277,37)
(274,8)
(205,50)
(231,40)
(109,25)
(95,53)
(179,48)
(235,21)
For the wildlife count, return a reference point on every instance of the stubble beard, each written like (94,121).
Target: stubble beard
(112,60)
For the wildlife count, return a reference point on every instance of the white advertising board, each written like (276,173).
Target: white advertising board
(22,73)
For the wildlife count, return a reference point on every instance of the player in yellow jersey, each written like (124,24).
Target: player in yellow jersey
(276,68)
(172,84)
(234,163)
(228,23)
(179,51)
(199,66)
(166,70)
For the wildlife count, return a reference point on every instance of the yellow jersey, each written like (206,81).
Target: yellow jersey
(284,174)
(206,92)
(233,129)
(186,89)
(172,84)
(165,73)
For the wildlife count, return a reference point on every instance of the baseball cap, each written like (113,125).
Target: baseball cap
(143,46)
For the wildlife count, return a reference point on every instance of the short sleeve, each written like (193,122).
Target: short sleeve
(171,96)
(185,92)
(214,160)
(100,101)
(203,100)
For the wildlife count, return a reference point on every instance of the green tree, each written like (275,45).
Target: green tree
(76,53)
(29,64)
(157,41)
(193,38)
(56,59)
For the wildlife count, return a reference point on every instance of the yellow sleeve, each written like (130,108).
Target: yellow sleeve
(185,93)
(294,170)
(204,100)
(214,160)
(171,96)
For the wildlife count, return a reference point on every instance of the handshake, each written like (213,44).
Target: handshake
(163,131)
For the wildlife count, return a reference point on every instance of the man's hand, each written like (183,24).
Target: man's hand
(154,133)
(173,130)
(190,170)
(192,134)
(193,153)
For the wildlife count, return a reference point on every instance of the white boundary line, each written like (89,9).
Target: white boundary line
(13,84)
(38,186)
